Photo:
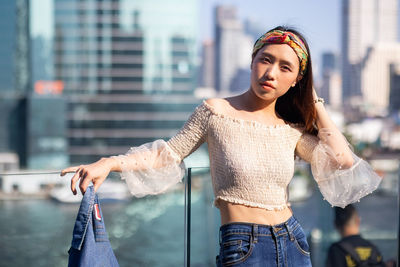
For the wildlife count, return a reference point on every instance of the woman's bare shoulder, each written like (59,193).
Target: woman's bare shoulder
(215,102)
(228,105)
(218,104)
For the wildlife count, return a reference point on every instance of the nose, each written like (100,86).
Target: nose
(270,72)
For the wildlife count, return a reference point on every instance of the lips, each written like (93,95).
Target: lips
(267,85)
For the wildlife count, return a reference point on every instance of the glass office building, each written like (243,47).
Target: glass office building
(128,69)
(14,46)
(14,76)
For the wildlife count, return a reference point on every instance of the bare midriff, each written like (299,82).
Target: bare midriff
(231,212)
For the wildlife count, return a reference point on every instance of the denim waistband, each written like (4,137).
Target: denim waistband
(255,230)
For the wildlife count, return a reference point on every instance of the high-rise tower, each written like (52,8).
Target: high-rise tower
(129,71)
(232,51)
(365,24)
(14,76)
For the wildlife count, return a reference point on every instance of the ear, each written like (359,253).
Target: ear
(299,77)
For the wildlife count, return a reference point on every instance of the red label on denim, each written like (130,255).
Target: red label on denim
(97,212)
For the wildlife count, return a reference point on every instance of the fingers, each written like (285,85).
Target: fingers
(82,174)
(84,182)
(74,179)
(70,169)
(96,186)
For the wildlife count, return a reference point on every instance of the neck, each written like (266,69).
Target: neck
(255,104)
(350,231)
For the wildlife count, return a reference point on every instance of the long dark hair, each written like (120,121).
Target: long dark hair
(297,105)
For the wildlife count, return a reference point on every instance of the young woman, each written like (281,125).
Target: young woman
(253,139)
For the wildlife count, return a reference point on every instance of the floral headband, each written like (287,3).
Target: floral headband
(285,37)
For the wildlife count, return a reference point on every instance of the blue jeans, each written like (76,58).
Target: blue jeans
(90,245)
(248,244)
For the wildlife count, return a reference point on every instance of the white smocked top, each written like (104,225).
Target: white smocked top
(251,163)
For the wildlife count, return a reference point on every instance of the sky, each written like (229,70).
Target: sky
(318,20)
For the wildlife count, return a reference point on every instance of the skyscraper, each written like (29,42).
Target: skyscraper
(14,76)
(232,50)
(331,89)
(208,64)
(395,87)
(329,62)
(375,75)
(42,66)
(365,23)
(128,69)
(14,46)
(7,43)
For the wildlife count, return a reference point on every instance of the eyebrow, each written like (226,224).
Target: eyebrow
(266,54)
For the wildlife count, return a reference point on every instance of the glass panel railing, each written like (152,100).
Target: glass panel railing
(164,231)
(203,219)
(38,212)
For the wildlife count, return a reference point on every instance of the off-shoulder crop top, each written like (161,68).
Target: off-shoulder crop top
(251,163)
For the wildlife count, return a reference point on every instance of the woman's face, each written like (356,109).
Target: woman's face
(274,70)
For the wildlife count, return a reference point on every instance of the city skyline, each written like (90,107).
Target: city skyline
(323,37)
(321,25)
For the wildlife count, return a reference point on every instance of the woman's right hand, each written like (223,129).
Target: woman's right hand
(96,173)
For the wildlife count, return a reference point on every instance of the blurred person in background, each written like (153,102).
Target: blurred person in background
(352,250)
(253,140)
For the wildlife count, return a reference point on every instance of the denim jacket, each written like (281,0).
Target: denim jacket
(90,245)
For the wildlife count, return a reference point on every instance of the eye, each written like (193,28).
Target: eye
(286,68)
(266,59)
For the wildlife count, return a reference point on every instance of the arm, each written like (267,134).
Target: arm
(152,167)
(332,136)
(98,171)
(342,177)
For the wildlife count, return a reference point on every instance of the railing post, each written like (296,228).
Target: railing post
(187,216)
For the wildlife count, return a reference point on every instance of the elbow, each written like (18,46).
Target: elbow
(347,163)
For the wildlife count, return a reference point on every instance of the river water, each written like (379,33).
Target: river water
(150,231)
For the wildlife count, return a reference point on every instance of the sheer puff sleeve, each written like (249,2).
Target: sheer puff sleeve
(154,167)
(151,168)
(340,183)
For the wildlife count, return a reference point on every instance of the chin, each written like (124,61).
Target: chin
(264,95)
